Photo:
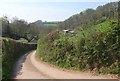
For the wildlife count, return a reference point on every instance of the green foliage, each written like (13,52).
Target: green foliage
(11,51)
(97,47)
(53,35)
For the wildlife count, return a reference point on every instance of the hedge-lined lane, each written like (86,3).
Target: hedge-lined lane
(11,51)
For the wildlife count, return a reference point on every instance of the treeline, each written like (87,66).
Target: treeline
(18,28)
(11,51)
(91,17)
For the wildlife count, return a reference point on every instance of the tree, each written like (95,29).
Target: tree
(5,26)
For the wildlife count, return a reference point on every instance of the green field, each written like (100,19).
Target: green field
(51,25)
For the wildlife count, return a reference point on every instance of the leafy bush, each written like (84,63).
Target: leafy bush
(97,47)
(52,36)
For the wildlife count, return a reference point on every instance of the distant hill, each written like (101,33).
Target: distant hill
(38,23)
(91,16)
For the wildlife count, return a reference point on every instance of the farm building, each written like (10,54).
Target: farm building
(69,32)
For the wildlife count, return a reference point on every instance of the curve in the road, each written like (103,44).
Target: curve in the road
(29,67)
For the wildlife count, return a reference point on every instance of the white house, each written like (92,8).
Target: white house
(71,32)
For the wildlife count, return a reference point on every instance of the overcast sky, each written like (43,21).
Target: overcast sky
(46,10)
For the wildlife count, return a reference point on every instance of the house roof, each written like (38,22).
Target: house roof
(65,30)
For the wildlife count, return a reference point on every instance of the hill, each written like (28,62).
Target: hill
(38,23)
(91,16)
